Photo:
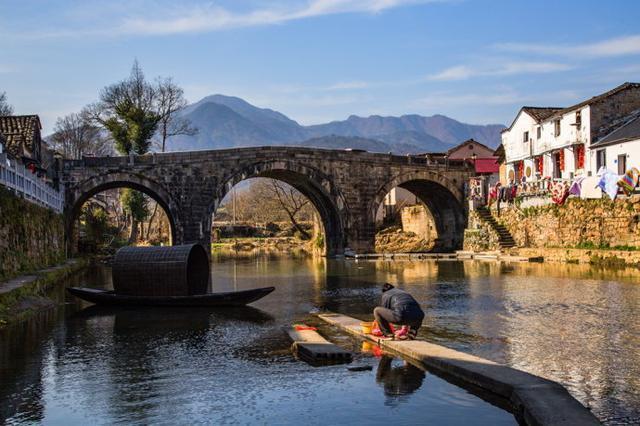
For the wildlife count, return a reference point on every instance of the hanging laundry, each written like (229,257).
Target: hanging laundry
(559,192)
(629,181)
(589,188)
(608,182)
(576,186)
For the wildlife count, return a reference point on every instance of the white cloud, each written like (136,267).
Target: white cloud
(460,72)
(208,18)
(348,85)
(463,72)
(620,46)
(165,17)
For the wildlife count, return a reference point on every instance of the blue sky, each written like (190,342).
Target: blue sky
(319,60)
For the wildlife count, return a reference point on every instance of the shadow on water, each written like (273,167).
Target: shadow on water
(398,381)
(175,318)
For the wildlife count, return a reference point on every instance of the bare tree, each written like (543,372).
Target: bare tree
(5,108)
(292,202)
(170,99)
(74,136)
(270,200)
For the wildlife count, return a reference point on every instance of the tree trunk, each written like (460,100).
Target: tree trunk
(153,215)
(133,236)
(296,225)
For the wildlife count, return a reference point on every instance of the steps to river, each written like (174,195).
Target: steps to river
(505,239)
(532,399)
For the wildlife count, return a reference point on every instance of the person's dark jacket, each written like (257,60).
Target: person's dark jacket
(401,303)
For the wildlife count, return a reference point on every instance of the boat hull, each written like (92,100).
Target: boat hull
(232,298)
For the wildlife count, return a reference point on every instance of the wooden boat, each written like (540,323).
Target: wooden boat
(232,298)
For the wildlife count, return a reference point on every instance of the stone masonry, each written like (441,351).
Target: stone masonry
(576,224)
(346,187)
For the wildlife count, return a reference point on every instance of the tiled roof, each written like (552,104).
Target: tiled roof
(20,131)
(597,98)
(544,113)
(540,113)
(537,113)
(628,131)
(468,141)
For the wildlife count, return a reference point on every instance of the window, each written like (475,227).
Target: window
(622,164)
(601,159)
(539,132)
(578,119)
(525,137)
(556,124)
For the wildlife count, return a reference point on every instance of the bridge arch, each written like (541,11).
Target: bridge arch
(77,195)
(442,196)
(313,184)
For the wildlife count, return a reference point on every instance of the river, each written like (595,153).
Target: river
(570,323)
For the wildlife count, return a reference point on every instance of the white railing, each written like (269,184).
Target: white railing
(20,180)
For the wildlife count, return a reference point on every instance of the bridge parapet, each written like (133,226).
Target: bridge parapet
(345,186)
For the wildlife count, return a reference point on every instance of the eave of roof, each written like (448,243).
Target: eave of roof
(628,131)
(615,90)
(529,111)
(468,141)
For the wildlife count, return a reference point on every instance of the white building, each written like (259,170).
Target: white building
(561,142)
(620,149)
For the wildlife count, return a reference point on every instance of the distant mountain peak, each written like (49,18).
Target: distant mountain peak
(229,121)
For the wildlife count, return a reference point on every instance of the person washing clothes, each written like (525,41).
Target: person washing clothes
(398,307)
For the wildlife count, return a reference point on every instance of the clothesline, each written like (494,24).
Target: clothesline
(591,187)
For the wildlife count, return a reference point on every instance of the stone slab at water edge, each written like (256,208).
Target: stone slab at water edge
(535,401)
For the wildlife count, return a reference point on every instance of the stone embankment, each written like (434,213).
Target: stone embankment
(31,237)
(22,296)
(580,231)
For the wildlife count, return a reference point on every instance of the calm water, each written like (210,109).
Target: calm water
(569,323)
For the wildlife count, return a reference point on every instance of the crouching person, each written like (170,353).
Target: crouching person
(398,307)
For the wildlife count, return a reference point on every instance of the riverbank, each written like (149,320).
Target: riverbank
(395,240)
(23,296)
(603,258)
(252,246)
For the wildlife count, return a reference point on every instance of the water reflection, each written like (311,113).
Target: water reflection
(570,323)
(398,381)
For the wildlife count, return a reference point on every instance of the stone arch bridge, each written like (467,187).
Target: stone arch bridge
(346,187)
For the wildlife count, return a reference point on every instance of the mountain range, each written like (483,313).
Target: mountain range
(229,122)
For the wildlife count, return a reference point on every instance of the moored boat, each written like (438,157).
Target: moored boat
(231,298)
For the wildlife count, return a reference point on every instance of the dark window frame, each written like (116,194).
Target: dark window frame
(601,159)
(622,164)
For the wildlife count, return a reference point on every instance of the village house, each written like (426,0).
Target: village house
(21,138)
(560,143)
(620,149)
(469,149)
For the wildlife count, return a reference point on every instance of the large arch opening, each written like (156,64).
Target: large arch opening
(101,216)
(418,214)
(320,216)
